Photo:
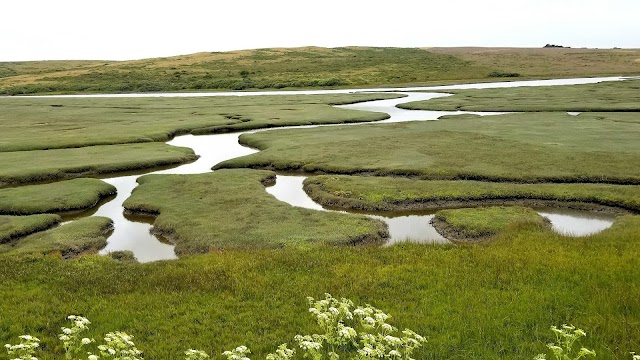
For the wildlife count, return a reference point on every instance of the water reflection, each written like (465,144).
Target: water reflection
(577,222)
(130,235)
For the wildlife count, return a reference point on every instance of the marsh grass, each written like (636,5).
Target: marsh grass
(544,62)
(62,196)
(230,209)
(476,223)
(525,147)
(83,236)
(13,227)
(39,165)
(489,301)
(253,69)
(393,194)
(608,96)
(43,123)
(311,67)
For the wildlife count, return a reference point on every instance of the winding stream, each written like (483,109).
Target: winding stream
(133,232)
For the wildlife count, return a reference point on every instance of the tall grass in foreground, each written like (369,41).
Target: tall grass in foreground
(492,301)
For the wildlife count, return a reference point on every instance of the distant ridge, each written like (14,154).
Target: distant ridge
(311,67)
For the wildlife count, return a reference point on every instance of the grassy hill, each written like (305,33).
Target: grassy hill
(311,67)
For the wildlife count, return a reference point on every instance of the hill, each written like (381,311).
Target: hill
(312,67)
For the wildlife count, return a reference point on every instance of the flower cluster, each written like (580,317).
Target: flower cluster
(566,336)
(350,332)
(239,353)
(193,354)
(25,350)
(118,345)
(283,353)
(70,336)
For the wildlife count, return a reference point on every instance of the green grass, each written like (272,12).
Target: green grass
(490,301)
(14,68)
(35,124)
(609,96)
(62,196)
(38,165)
(393,194)
(231,209)
(531,147)
(13,227)
(254,69)
(470,224)
(83,236)
(539,62)
(311,67)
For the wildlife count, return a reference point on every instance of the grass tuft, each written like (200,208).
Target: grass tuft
(62,196)
(13,227)
(396,194)
(41,165)
(84,236)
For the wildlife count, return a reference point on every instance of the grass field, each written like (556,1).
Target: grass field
(559,62)
(494,301)
(396,194)
(230,209)
(312,67)
(62,196)
(609,96)
(531,147)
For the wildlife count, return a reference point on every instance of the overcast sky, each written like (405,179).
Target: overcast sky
(134,29)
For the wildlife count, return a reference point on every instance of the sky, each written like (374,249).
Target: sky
(135,29)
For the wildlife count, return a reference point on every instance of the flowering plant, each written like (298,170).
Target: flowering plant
(566,336)
(25,350)
(350,332)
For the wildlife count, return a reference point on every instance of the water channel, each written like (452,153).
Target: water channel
(133,232)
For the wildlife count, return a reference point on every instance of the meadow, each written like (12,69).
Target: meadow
(247,261)
(490,301)
(312,67)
